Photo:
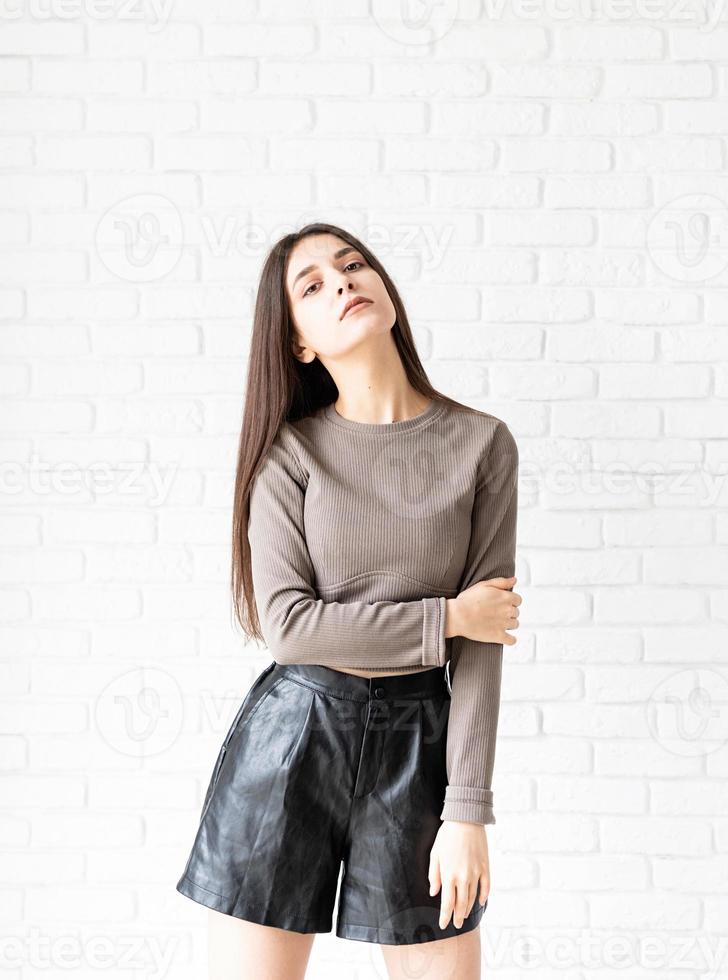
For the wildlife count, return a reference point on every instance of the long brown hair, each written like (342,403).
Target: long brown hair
(281,388)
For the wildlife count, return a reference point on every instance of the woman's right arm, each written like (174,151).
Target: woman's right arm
(301,628)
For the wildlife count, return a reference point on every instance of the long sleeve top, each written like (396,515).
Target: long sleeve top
(360,532)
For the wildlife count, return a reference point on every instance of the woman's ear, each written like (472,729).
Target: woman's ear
(304,354)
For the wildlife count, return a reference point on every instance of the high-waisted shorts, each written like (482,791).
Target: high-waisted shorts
(321,767)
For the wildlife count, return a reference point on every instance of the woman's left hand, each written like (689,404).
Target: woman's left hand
(459,864)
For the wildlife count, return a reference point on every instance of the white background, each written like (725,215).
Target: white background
(546,184)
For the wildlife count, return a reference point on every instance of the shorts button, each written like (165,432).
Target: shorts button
(378,692)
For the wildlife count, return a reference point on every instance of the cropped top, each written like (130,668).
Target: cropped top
(359,532)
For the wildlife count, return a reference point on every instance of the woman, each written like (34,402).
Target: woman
(374,534)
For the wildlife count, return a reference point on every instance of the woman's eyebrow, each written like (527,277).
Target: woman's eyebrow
(310,268)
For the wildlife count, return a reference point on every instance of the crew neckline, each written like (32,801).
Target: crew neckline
(404,425)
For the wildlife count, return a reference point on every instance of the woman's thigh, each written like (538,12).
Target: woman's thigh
(242,950)
(455,958)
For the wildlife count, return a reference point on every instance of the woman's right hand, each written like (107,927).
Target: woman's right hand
(484,611)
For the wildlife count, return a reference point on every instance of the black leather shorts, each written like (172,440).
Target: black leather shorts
(318,768)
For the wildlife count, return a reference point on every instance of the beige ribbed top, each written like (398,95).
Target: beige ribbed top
(359,532)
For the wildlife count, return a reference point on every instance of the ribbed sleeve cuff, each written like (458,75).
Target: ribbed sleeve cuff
(469,803)
(434,648)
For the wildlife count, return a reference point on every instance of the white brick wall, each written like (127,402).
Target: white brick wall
(548,188)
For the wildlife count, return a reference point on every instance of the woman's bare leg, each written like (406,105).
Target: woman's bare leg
(242,950)
(455,958)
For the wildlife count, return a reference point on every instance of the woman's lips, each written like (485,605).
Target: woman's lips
(357,306)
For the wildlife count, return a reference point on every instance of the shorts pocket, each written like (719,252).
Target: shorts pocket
(253,700)
(213,780)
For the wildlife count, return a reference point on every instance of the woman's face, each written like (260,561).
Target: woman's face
(323,274)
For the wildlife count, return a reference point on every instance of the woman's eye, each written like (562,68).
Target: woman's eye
(307,292)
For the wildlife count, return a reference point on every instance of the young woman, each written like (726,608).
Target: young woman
(374,535)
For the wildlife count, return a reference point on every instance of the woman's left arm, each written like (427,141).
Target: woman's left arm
(459,857)
(475,667)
